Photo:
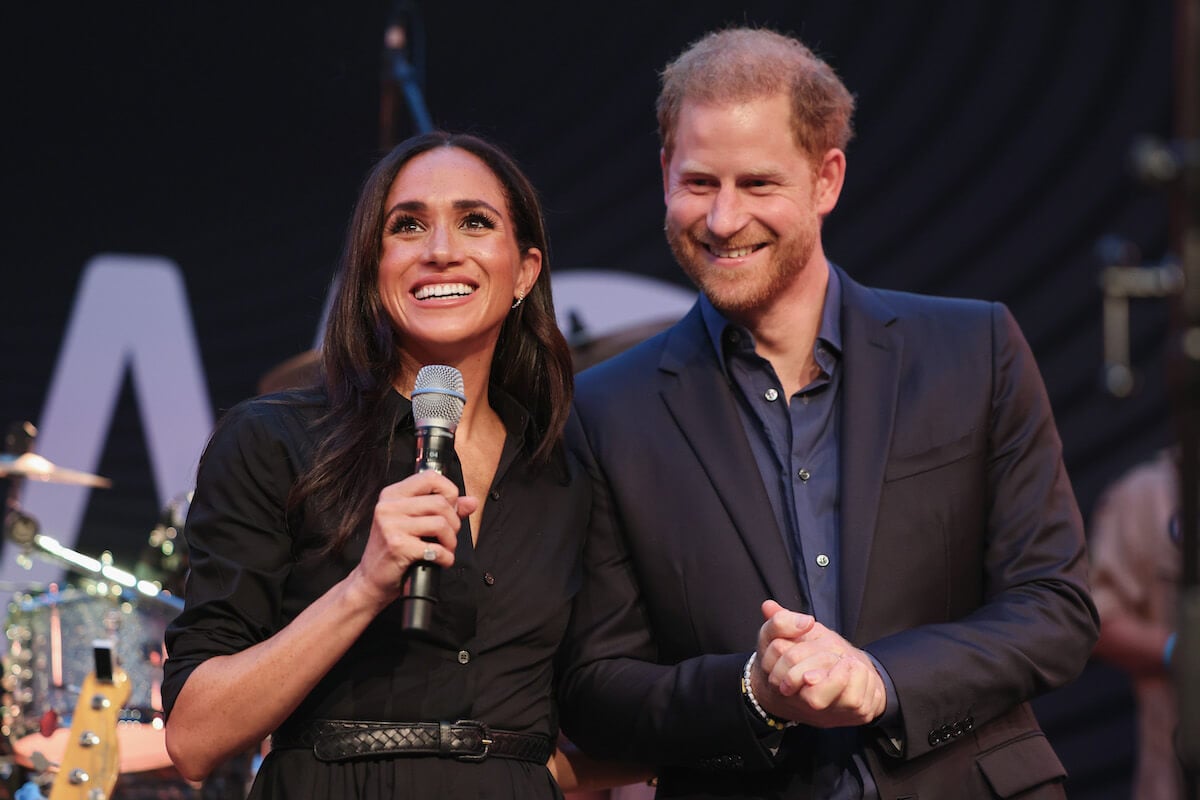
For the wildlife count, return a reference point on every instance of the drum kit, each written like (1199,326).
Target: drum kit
(66,647)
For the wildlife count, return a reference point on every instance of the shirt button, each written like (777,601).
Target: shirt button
(494,494)
(771,395)
(463,656)
(804,475)
(733,336)
(489,578)
(822,560)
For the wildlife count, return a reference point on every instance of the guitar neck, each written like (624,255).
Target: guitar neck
(90,765)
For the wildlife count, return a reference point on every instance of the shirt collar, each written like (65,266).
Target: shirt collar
(517,421)
(830,331)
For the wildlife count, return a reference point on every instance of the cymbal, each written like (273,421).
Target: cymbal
(587,351)
(35,467)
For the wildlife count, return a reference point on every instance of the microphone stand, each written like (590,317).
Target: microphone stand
(404,34)
(404,74)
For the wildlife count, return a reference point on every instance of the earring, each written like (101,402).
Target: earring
(517,302)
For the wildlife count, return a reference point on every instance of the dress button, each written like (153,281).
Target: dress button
(489,578)
(771,395)
(822,560)
(463,656)
(804,475)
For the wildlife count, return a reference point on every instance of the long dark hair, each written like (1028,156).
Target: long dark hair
(361,350)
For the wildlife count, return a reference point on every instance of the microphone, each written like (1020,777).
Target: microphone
(437,406)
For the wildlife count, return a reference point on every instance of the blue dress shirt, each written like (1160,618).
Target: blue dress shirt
(796,443)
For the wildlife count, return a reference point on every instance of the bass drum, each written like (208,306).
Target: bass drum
(50,653)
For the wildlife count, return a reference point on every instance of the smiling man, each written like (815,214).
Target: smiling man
(834,552)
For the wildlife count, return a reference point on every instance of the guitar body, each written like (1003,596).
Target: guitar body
(90,765)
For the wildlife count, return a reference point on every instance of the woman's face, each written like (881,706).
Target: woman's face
(450,267)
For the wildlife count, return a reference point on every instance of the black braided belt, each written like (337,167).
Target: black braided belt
(465,740)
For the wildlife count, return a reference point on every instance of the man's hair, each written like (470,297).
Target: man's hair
(738,64)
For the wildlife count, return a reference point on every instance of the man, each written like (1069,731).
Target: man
(834,549)
(1137,568)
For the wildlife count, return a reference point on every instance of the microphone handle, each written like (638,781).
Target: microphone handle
(422,580)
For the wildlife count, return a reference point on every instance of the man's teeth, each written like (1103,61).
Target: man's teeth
(443,290)
(738,253)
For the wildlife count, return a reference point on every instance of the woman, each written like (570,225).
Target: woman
(307,515)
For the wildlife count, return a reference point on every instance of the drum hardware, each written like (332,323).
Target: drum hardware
(165,558)
(18,462)
(23,529)
(46,668)
(103,574)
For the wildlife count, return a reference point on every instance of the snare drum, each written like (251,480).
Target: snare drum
(50,653)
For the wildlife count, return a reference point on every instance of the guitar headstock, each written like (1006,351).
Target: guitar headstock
(90,765)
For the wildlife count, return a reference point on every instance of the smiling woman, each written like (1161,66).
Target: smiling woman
(451,268)
(308,513)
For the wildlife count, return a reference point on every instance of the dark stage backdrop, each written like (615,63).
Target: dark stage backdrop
(177,178)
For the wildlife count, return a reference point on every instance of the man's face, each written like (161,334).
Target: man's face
(744,202)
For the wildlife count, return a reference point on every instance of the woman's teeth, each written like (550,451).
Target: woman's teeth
(443,290)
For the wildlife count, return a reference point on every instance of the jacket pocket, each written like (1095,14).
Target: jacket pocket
(904,465)
(1020,765)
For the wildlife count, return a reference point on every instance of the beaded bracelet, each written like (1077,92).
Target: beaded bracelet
(774,722)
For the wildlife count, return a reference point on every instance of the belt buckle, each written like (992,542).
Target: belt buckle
(484,739)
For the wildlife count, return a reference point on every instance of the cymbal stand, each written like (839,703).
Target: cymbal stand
(19,527)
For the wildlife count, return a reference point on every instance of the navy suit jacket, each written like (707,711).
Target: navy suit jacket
(963,564)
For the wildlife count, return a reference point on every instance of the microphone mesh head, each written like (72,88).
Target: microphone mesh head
(437,397)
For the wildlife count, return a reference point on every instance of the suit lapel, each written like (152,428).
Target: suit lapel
(872,357)
(700,401)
